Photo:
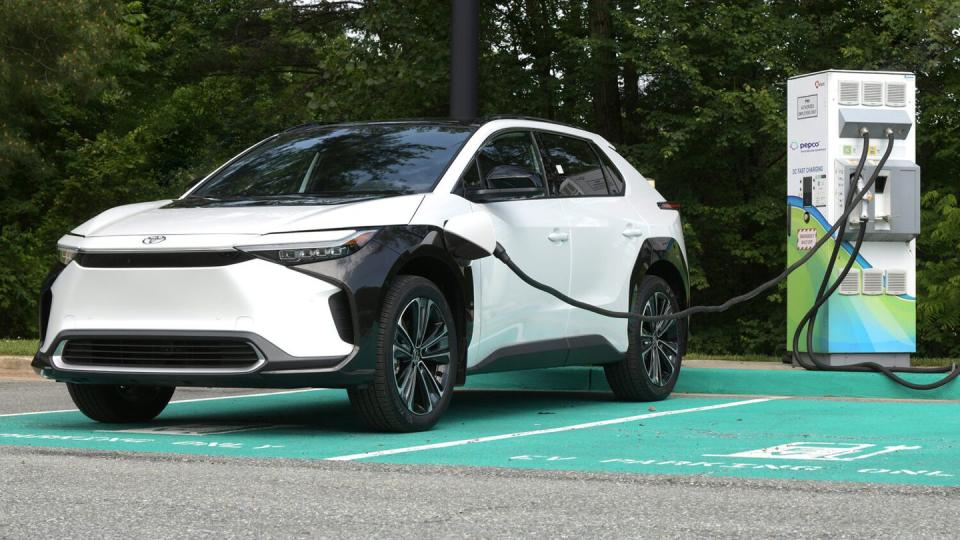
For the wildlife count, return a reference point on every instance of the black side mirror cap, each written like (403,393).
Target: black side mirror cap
(507,194)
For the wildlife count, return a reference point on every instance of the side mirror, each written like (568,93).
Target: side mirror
(470,236)
(512,177)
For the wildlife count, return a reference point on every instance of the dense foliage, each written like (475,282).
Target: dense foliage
(104,102)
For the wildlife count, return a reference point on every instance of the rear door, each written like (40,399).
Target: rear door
(520,327)
(606,232)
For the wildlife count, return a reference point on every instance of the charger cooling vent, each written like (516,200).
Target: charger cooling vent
(873,93)
(851,283)
(873,281)
(896,282)
(896,95)
(849,93)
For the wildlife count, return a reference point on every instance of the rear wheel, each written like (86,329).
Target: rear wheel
(416,360)
(651,366)
(120,403)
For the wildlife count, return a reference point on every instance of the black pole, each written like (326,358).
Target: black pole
(464,53)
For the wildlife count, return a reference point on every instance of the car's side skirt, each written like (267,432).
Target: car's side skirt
(569,351)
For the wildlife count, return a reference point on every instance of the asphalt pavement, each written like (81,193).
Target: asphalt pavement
(82,492)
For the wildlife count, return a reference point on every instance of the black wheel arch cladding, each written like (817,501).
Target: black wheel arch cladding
(662,257)
(366,275)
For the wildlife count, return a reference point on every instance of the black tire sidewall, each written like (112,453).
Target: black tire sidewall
(405,290)
(644,290)
(109,404)
(629,378)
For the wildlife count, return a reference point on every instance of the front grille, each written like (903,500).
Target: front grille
(160,353)
(187,259)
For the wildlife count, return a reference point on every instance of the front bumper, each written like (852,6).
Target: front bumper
(275,370)
(287,317)
(314,325)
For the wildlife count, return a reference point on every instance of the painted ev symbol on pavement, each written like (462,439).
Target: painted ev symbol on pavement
(819,451)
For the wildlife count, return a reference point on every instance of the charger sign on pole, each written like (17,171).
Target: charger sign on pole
(872,317)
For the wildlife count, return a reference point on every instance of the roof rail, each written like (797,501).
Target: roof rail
(490,118)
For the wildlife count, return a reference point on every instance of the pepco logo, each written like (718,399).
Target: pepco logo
(819,84)
(805,146)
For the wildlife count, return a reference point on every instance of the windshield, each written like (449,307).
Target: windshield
(339,161)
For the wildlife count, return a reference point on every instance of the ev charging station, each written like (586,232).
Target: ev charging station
(830,115)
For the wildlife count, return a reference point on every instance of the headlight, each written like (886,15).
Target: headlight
(308,252)
(66,254)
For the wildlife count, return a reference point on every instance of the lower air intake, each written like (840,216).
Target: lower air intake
(160,353)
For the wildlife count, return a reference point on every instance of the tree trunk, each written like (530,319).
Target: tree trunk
(541,51)
(606,87)
(631,101)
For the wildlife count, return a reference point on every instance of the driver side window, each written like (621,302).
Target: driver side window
(509,161)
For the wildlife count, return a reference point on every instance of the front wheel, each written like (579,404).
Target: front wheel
(416,364)
(651,366)
(117,404)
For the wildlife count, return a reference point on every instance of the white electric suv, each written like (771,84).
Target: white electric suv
(317,258)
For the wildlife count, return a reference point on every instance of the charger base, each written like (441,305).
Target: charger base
(892,360)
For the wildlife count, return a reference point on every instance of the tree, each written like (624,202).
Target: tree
(104,102)
(606,87)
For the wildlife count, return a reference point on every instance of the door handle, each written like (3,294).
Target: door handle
(559,237)
(633,232)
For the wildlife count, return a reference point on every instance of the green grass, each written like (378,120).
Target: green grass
(934,361)
(18,347)
(693,355)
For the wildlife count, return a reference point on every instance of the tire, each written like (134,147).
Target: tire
(412,350)
(116,404)
(651,365)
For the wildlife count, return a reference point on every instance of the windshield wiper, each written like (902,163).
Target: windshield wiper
(315,197)
(360,193)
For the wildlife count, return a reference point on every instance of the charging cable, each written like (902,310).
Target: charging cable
(822,296)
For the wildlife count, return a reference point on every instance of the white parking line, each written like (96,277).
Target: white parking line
(463,442)
(185,400)
(250,395)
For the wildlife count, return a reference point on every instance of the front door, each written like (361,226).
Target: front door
(520,327)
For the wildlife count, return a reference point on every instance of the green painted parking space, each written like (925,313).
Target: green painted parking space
(784,438)
(315,424)
(856,441)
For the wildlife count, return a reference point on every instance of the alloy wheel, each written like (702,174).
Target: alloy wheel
(660,340)
(421,355)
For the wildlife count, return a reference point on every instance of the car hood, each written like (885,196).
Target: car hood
(160,217)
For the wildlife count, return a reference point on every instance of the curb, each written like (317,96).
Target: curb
(708,380)
(16,366)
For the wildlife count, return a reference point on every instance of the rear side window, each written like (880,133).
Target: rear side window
(573,168)
(614,178)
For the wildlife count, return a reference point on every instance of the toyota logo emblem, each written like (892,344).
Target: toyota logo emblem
(156,239)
